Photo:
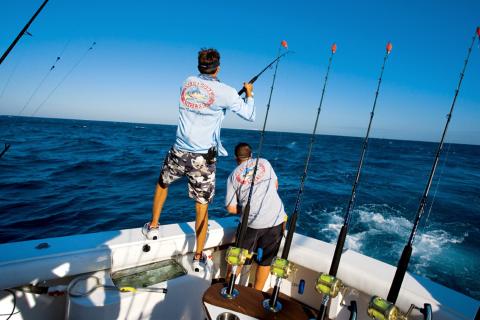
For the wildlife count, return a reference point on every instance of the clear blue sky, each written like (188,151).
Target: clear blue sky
(146,48)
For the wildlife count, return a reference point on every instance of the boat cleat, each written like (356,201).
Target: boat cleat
(282,268)
(328,285)
(381,309)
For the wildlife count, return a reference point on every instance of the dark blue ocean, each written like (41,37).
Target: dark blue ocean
(64,177)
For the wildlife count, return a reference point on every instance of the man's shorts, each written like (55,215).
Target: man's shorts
(200,174)
(268,239)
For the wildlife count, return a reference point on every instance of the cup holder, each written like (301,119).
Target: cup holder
(227,316)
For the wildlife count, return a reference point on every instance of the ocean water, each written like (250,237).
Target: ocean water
(63,177)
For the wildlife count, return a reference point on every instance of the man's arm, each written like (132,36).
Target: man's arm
(245,110)
(231,197)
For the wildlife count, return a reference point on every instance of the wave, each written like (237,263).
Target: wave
(372,224)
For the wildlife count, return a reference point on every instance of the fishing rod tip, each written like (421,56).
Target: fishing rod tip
(334,47)
(284,44)
(478,31)
(389,47)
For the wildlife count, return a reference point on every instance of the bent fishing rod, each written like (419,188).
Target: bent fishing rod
(22,32)
(407,251)
(236,256)
(281,266)
(328,284)
(283,44)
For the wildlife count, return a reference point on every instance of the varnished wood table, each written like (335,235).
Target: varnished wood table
(249,303)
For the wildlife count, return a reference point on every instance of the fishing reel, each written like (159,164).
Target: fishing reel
(328,285)
(381,309)
(237,256)
(282,268)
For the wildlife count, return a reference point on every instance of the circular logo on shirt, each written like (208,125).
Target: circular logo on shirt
(244,174)
(197,95)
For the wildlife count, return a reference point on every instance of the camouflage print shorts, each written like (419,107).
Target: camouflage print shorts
(201,176)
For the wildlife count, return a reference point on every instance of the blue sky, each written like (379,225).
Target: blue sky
(145,49)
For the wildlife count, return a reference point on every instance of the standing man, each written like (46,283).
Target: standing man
(266,221)
(204,101)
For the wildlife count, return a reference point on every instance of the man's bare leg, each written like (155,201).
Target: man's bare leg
(261,277)
(201,227)
(158,201)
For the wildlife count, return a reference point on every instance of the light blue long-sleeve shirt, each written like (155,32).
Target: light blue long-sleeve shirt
(204,100)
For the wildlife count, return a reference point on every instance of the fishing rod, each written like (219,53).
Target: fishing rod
(281,267)
(237,255)
(284,44)
(379,305)
(328,284)
(22,32)
(12,45)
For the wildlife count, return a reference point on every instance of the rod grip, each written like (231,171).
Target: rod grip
(338,251)
(288,240)
(399,274)
(243,227)
(242,91)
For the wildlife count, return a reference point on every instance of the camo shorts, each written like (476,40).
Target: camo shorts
(200,174)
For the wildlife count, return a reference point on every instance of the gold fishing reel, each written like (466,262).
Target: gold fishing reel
(282,268)
(381,309)
(328,285)
(237,256)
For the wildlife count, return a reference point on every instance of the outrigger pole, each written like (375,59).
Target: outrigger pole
(237,255)
(407,251)
(280,266)
(284,44)
(328,284)
(22,32)
(5,54)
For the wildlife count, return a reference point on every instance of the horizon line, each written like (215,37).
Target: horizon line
(232,128)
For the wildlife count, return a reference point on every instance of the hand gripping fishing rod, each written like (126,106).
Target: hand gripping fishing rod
(379,307)
(284,44)
(237,255)
(328,284)
(281,267)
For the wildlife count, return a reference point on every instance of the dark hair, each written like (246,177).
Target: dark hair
(208,60)
(243,151)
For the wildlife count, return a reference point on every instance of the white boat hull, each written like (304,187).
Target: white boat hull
(106,252)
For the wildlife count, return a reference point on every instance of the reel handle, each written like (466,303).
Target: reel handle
(353,310)
(426,311)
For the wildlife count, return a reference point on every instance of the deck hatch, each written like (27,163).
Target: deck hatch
(149,274)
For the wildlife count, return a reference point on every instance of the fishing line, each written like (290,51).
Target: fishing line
(272,303)
(64,78)
(436,186)
(10,77)
(229,291)
(45,77)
